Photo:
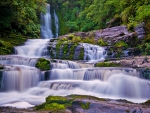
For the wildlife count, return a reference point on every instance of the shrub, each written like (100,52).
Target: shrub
(121,44)
(43,64)
(101,42)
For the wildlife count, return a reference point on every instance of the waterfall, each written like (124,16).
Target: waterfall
(33,48)
(88,74)
(20,78)
(17,60)
(46,31)
(93,53)
(56,23)
(22,85)
(117,85)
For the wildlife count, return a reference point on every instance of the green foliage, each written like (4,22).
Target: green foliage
(43,64)
(89,40)
(8,40)
(86,15)
(101,42)
(121,44)
(55,103)
(107,64)
(21,16)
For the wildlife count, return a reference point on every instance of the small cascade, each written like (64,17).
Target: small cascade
(33,48)
(20,78)
(64,64)
(56,24)
(46,31)
(58,85)
(117,85)
(93,53)
(89,74)
(17,60)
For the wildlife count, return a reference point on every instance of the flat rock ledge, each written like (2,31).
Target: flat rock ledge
(134,62)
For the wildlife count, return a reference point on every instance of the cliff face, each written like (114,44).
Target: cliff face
(117,41)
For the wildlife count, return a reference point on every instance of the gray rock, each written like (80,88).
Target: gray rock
(139,29)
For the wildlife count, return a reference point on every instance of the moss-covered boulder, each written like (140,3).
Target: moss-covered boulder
(55,103)
(43,64)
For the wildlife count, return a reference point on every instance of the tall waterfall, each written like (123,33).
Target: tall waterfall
(23,85)
(46,25)
(46,31)
(56,23)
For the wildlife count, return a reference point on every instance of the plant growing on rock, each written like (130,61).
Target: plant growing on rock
(101,42)
(120,44)
(43,64)
(107,64)
(55,103)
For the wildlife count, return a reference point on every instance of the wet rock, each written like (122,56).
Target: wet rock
(1,67)
(135,62)
(139,29)
(77,51)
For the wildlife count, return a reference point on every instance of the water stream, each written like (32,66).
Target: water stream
(24,86)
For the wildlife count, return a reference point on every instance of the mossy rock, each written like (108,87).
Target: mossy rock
(107,64)
(55,103)
(43,64)
(121,44)
(101,42)
(86,97)
(84,105)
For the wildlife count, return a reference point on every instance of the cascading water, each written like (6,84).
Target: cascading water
(56,24)
(21,84)
(93,53)
(33,48)
(20,78)
(46,31)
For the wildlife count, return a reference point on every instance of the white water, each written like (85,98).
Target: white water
(22,87)
(33,48)
(118,86)
(20,78)
(17,60)
(56,24)
(46,31)
(93,53)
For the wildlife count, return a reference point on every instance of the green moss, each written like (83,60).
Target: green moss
(58,46)
(8,40)
(101,42)
(85,106)
(55,103)
(121,44)
(107,64)
(81,56)
(89,40)
(43,64)
(86,97)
